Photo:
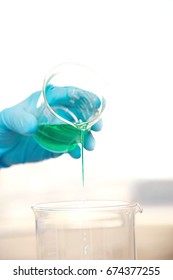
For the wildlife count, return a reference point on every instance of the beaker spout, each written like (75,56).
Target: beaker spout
(139,209)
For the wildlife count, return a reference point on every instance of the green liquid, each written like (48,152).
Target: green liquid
(61,138)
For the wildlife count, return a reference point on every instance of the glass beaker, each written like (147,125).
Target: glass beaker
(89,230)
(72,100)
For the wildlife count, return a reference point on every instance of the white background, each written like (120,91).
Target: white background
(129,42)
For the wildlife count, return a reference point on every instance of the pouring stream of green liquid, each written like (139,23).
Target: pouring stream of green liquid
(82,155)
(62,138)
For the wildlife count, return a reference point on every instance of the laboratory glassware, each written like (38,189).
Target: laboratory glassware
(86,230)
(71,102)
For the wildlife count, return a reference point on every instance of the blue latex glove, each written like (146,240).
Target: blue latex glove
(17,127)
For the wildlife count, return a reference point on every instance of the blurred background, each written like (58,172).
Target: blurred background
(130,43)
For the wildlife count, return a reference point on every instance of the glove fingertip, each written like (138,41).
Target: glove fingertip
(75,153)
(97,126)
(89,142)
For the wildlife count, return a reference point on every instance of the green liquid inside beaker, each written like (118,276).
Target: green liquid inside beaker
(61,138)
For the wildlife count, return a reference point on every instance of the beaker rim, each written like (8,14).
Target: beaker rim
(88,205)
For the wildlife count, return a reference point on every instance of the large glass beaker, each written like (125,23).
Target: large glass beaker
(89,230)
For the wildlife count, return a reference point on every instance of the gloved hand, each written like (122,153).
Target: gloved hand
(18,124)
